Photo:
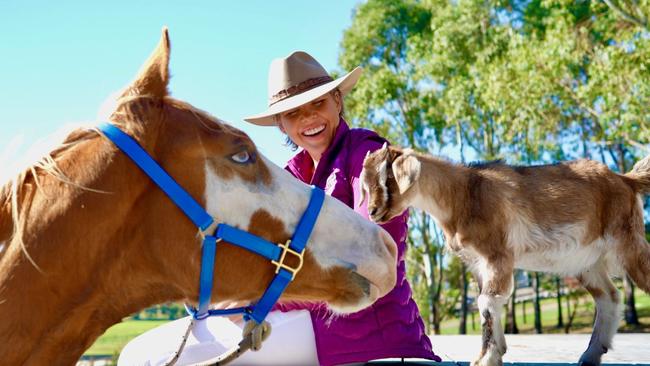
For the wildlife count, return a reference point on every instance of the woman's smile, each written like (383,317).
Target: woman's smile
(314,131)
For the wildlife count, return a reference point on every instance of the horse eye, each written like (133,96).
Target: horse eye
(241,157)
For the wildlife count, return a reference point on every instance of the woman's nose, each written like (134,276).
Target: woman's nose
(307,115)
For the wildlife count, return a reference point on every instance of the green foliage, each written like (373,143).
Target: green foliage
(528,81)
(117,336)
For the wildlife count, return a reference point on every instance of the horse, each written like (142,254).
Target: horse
(86,238)
(575,218)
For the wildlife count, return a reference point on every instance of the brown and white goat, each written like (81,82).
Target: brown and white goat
(575,218)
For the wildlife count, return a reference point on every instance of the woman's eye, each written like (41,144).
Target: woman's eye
(318,103)
(241,157)
(292,114)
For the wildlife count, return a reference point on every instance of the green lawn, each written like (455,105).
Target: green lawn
(117,336)
(581,324)
(111,342)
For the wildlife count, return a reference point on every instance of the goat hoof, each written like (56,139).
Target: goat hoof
(588,363)
(487,362)
(583,362)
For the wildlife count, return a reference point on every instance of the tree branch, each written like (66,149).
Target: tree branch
(627,16)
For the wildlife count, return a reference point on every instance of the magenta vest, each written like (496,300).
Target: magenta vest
(392,326)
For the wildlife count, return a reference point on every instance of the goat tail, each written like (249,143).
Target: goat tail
(641,174)
(636,261)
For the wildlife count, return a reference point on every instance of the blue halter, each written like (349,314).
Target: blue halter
(277,253)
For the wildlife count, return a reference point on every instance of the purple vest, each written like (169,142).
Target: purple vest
(392,326)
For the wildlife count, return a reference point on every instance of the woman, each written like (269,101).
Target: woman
(307,105)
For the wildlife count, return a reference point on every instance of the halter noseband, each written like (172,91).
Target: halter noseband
(276,253)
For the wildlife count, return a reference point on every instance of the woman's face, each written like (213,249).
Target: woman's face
(312,125)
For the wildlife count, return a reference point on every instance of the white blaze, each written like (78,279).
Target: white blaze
(340,236)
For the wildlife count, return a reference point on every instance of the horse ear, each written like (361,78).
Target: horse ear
(406,169)
(153,77)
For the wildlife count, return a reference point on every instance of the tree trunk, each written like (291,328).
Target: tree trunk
(511,318)
(473,320)
(568,310)
(462,327)
(436,320)
(438,291)
(631,317)
(558,286)
(537,306)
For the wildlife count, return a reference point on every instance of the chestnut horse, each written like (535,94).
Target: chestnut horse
(92,239)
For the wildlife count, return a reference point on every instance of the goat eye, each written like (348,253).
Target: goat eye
(241,157)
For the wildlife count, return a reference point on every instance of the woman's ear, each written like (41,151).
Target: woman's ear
(338,99)
(278,121)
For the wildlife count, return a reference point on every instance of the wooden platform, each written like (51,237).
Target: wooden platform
(528,350)
(523,350)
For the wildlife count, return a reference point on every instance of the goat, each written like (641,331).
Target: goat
(574,218)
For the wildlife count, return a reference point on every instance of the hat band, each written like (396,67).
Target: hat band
(297,89)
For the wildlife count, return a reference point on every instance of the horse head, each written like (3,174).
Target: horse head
(94,240)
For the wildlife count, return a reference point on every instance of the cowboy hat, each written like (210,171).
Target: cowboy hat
(298,79)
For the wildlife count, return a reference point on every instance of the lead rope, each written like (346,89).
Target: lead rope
(177,354)
(254,335)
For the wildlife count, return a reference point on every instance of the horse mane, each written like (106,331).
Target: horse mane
(46,166)
(125,108)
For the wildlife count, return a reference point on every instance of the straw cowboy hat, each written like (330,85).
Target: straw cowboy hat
(298,79)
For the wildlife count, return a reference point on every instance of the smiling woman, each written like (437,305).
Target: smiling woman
(306,103)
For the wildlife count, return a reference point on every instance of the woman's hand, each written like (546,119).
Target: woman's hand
(235,318)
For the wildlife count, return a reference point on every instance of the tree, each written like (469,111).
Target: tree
(464,306)
(558,295)
(511,313)
(537,303)
(427,274)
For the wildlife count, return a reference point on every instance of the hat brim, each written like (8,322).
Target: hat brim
(344,84)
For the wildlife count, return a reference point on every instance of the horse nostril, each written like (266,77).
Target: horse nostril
(373,211)
(362,282)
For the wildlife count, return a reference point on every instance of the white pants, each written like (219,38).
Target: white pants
(291,342)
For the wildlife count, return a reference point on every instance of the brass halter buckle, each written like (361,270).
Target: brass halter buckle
(280,263)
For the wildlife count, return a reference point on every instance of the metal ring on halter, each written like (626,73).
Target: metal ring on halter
(280,262)
(210,230)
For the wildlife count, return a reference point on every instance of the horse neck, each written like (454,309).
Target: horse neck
(88,274)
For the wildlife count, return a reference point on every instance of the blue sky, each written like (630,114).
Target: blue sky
(59,60)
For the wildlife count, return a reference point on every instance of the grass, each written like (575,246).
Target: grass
(114,339)
(582,322)
(117,336)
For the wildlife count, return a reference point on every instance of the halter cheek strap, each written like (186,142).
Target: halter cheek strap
(276,253)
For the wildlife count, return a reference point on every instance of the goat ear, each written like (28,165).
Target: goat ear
(362,196)
(406,169)
(394,153)
(362,178)
(383,152)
